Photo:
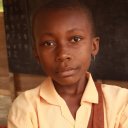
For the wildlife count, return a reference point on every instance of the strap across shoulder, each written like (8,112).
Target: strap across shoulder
(97,112)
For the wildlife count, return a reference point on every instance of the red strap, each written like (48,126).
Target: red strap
(97,112)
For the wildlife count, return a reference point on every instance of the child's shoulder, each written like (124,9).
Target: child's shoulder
(27,98)
(30,96)
(113,89)
(24,105)
(114,93)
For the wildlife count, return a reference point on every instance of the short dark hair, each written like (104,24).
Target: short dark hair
(64,4)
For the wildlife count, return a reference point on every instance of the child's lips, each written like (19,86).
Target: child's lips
(66,72)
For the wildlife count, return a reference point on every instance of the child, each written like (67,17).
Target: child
(65,43)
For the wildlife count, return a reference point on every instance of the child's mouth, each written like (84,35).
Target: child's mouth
(66,72)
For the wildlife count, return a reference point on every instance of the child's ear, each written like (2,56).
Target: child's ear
(95,45)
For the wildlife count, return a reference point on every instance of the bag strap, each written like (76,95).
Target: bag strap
(97,112)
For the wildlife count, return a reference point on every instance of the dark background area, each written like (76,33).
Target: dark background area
(112,26)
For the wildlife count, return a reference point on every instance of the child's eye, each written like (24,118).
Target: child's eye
(48,43)
(76,39)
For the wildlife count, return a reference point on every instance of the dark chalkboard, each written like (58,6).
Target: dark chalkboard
(18,37)
(112,26)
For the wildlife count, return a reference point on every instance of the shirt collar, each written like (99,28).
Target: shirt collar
(90,94)
(48,92)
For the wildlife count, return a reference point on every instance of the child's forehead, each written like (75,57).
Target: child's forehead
(62,10)
(59,5)
(68,21)
(62,16)
(49,13)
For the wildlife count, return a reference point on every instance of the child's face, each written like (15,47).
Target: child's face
(64,44)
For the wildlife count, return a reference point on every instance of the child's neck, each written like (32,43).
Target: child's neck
(72,94)
(76,88)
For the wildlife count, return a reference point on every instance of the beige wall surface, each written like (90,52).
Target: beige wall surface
(1,6)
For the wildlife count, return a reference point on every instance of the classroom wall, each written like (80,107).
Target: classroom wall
(21,81)
(4,69)
(5,98)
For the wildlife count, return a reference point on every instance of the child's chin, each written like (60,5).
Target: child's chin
(66,81)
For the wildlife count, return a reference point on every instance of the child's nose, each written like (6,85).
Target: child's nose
(63,54)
